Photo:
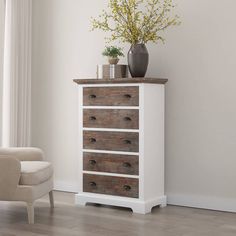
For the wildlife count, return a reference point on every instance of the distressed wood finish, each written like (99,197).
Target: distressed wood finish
(122,81)
(111,118)
(111,96)
(117,186)
(115,141)
(111,163)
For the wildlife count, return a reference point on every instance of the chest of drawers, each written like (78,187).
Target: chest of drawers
(121,143)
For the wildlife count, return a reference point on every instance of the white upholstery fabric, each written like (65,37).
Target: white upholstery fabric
(23,154)
(25,177)
(35,172)
(31,193)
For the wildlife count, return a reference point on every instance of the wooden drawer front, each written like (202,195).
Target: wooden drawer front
(114,141)
(111,96)
(110,118)
(118,186)
(112,163)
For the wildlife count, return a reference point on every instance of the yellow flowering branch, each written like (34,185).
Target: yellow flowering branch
(127,22)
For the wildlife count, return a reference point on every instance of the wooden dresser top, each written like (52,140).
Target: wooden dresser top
(121,81)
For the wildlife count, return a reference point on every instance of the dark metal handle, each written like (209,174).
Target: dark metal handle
(127,141)
(127,118)
(127,96)
(127,164)
(92,184)
(92,162)
(92,96)
(93,140)
(126,187)
(92,118)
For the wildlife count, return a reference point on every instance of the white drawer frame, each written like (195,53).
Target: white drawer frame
(151,150)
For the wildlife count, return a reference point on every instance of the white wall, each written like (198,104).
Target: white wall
(199,60)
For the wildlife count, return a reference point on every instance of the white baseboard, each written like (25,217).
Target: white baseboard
(205,202)
(65,186)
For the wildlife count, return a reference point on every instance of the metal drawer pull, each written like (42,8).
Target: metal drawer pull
(127,96)
(92,184)
(127,164)
(127,141)
(92,162)
(127,118)
(92,118)
(92,96)
(93,140)
(126,187)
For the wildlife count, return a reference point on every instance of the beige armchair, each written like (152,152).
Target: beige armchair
(24,176)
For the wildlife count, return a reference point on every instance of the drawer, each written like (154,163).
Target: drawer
(112,163)
(111,96)
(114,141)
(118,186)
(111,118)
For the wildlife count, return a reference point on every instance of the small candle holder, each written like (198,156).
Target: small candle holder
(112,71)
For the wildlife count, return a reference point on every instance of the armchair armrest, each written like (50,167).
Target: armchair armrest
(9,177)
(23,154)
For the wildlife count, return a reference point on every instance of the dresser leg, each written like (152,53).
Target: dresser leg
(163,205)
(138,210)
(146,207)
(141,209)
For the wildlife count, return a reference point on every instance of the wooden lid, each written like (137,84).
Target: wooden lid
(121,81)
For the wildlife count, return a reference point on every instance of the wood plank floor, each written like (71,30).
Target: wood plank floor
(69,220)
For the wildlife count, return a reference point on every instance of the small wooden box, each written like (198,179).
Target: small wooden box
(112,71)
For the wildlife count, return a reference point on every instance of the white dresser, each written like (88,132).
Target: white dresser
(121,143)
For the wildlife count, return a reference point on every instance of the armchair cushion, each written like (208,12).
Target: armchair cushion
(35,172)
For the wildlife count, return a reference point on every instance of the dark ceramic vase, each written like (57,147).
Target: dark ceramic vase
(138,60)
